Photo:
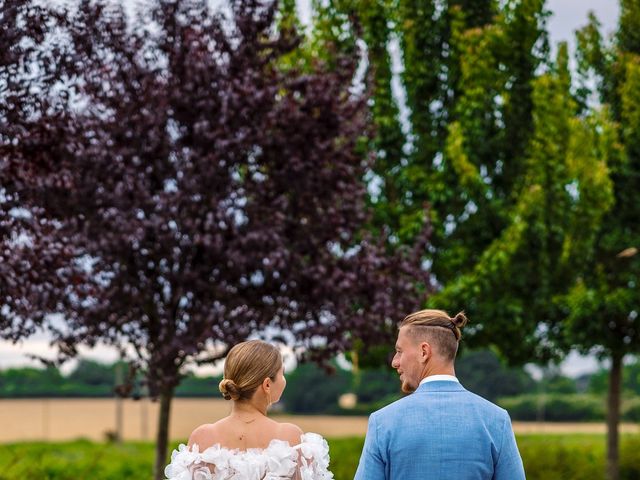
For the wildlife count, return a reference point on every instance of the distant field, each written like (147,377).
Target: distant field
(67,419)
(564,428)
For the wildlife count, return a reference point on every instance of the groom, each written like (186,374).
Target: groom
(441,431)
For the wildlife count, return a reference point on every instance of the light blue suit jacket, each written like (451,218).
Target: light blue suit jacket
(440,432)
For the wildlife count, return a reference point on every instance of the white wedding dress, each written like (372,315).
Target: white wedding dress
(308,460)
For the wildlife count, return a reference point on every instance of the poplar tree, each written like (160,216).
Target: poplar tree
(457,158)
(603,303)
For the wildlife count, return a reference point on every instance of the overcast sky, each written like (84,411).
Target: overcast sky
(568,15)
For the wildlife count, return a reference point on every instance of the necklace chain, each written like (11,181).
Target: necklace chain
(246,422)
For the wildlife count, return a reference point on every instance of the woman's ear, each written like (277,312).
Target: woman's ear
(266,384)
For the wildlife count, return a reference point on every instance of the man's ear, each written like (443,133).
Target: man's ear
(425,351)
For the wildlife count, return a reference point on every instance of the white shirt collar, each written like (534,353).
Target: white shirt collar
(436,378)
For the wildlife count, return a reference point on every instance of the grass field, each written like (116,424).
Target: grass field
(546,457)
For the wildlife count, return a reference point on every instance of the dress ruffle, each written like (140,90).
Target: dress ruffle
(279,461)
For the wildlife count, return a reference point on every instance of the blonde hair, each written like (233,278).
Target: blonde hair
(438,327)
(246,367)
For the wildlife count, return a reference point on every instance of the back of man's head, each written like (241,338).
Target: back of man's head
(438,329)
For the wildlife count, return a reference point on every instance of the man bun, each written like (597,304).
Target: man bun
(229,389)
(460,320)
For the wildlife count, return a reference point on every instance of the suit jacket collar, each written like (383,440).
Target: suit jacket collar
(440,386)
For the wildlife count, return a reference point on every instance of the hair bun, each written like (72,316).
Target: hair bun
(460,320)
(229,389)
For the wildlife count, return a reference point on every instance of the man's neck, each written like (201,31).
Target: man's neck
(438,369)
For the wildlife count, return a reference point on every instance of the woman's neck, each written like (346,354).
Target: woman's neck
(246,409)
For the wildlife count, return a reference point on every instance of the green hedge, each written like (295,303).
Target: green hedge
(631,410)
(566,408)
(555,408)
(566,457)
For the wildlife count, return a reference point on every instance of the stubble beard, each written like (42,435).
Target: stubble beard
(406,387)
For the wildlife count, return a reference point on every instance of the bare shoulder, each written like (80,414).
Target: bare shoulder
(204,436)
(290,432)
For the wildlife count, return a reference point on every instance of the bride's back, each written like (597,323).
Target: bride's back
(233,433)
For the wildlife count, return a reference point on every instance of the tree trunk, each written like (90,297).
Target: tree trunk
(613,416)
(162,439)
(119,406)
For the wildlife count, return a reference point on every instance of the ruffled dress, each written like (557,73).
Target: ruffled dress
(309,460)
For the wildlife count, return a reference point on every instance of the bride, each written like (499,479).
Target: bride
(247,445)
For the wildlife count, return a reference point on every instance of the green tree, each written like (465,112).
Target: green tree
(194,386)
(558,383)
(599,381)
(532,274)
(531,189)
(313,390)
(458,158)
(603,303)
(484,247)
(483,372)
(31,382)
(377,384)
(89,372)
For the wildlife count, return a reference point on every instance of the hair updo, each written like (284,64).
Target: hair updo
(459,321)
(246,367)
(229,389)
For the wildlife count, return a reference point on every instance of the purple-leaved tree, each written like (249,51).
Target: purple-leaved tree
(198,194)
(29,62)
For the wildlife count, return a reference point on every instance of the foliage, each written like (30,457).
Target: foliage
(32,382)
(631,410)
(28,46)
(87,379)
(468,91)
(185,244)
(195,386)
(483,373)
(599,381)
(310,389)
(575,456)
(603,300)
(83,459)
(555,407)
(78,459)
(93,373)
(564,407)
(558,383)
(477,147)
(374,385)
(570,457)
(199,193)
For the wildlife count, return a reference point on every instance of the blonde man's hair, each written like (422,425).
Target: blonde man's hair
(438,328)
(246,367)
